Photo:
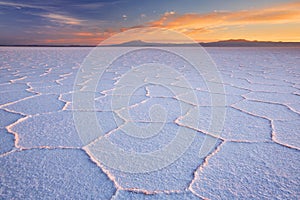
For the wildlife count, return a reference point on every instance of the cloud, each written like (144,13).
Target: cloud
(54,17)
(169,13)
(91,6)
(84,34)
(62,19)
(21,5)
(94,5)
(285,13)
(80,38)
(69,35)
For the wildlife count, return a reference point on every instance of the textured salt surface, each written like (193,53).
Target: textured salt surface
(135,196)
(250,170)
(8,118)
(52,174)
(6,141)
(42,155)
(37,105)
(54,129)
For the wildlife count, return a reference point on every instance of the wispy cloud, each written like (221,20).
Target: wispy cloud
(21,5)
(62,19)
(95,5)
(92,6)
(82,38)
(49,11)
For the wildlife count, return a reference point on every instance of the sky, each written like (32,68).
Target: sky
(73,22)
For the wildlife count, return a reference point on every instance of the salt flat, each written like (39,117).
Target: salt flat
(43,156)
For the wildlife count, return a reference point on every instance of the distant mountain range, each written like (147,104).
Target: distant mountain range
(247,43)
(223,43)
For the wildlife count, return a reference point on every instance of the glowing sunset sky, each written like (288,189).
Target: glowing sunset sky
(89,22)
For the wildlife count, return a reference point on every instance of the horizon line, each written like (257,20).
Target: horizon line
(229,41)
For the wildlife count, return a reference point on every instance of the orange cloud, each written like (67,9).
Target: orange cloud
(67,41)
(66,37)
(194,24)
(84,34)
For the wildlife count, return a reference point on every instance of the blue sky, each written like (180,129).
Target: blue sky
(89,22)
